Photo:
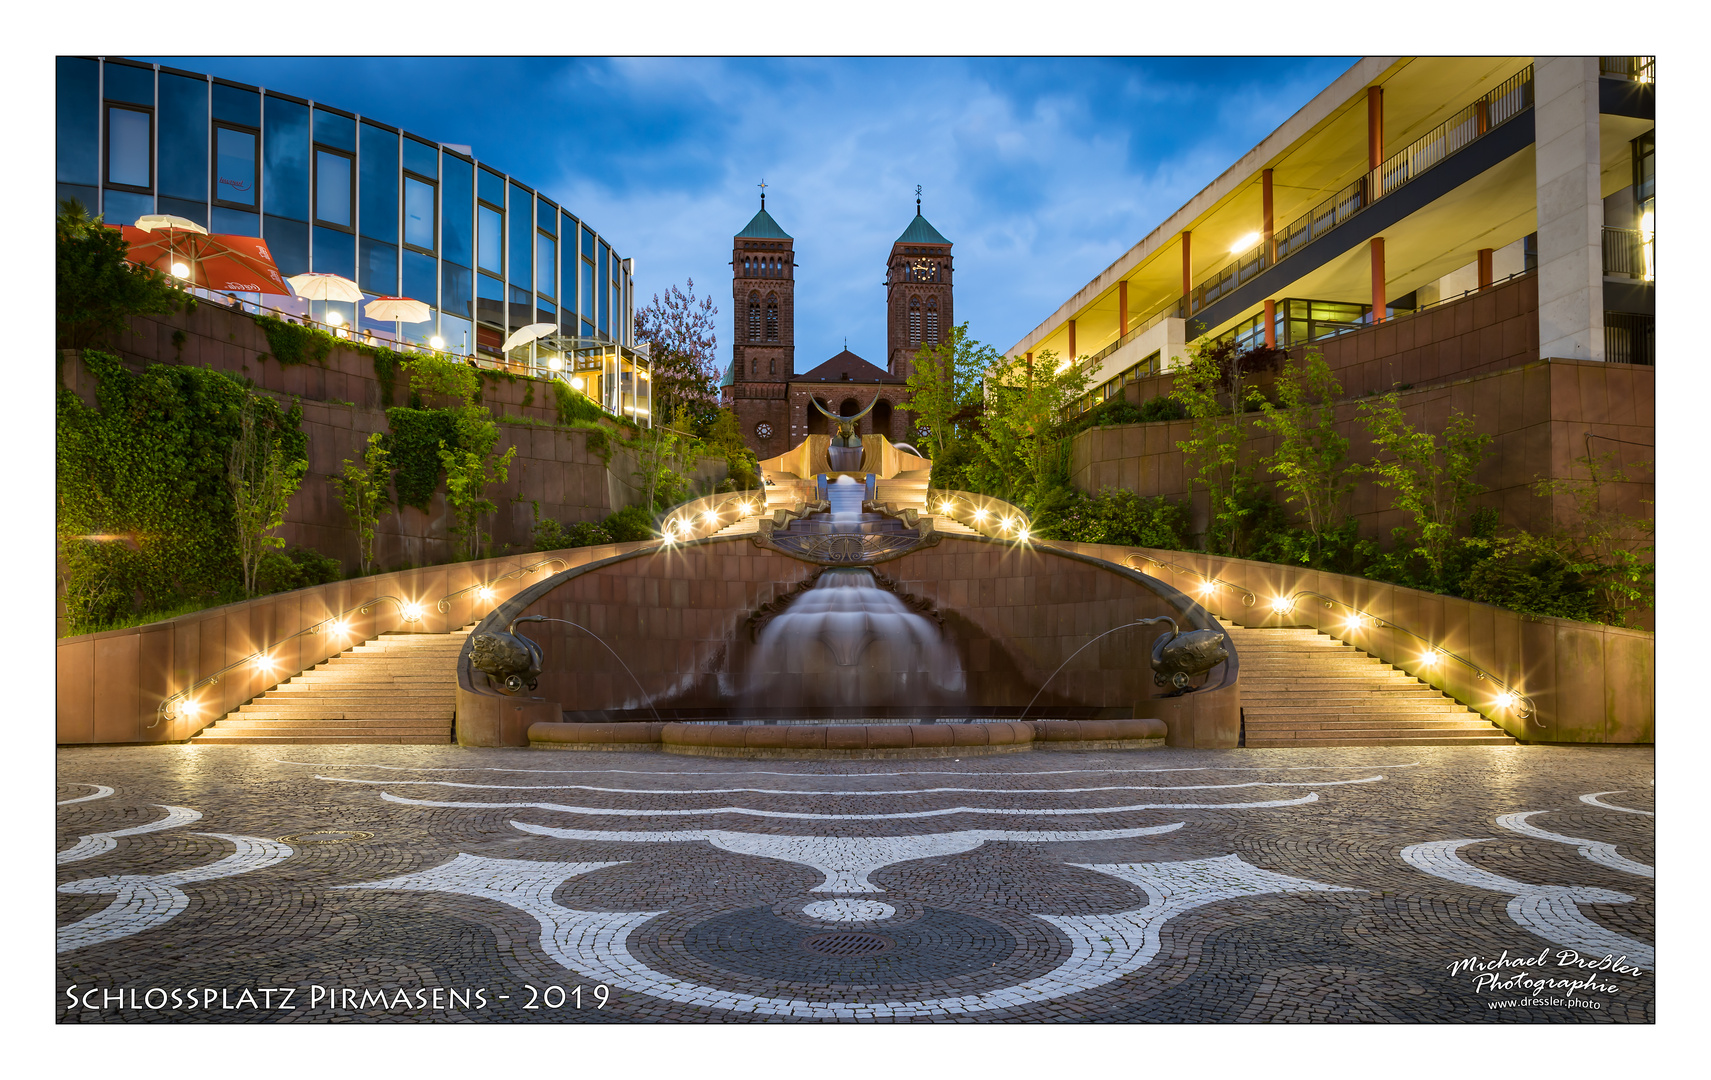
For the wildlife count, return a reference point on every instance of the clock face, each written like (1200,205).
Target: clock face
(923,268)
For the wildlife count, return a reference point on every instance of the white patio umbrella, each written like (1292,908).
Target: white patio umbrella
(400,309)
(172,227)
(324,287)
(527,334)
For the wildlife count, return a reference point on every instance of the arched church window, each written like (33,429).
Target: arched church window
(754,316)
(932,322)
(914,321)
(771,318)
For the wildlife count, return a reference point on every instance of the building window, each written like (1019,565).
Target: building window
(236,165)
(490,240)
(772,367)
(130,143)
(932,322)
(546,258)
(419,214)
(335,188)
(754,316)
(772,318)
(914,322)
(763,430)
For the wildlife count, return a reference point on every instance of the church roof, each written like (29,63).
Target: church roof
(762,227)
(846,367)
(730,376)
(920,231)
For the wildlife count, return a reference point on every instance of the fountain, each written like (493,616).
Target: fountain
(854,643)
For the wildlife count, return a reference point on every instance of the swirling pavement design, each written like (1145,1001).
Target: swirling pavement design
(101,792)
(597,811)
(1600,853)
(847,860)
(1105,947)
(87,847)
(1593,800)
(851,775)
(1549,911)
(144,901)
(888,791)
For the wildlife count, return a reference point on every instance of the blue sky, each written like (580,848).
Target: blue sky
(1041,171)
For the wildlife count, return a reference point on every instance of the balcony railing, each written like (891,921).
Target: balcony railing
(1491,111)
(1627,254)
(1637,68)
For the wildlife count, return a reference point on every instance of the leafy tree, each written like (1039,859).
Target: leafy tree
(661,449)
(262,476)
(1213,375)
(946,380)
(1431,477)
(725,438)
(683,346)
(1024,450)
(471,466)
(362,491)
(97,289)
(1311,461)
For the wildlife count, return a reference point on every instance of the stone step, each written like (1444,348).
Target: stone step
(320,740)
(334,723)
(348,712)
(1402,740)
(1347,723)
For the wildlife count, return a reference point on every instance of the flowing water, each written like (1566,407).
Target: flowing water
(847,641)
(845,496)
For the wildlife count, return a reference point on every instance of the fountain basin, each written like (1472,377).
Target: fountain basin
(844,458)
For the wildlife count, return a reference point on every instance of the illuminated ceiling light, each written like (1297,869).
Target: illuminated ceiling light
(436,342)
(1505,699)
(412,612)
(576,381)
(1244,243)
(179,270)
(1281,603)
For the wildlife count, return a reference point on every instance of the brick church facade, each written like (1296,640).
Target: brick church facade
(773,403)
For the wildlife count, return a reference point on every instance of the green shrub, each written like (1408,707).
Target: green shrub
(290,343)
(298,568)
(1117,516)
(1162,408)
(630,523)
(574,406)
(414,445)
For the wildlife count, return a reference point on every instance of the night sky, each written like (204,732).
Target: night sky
(1041,171)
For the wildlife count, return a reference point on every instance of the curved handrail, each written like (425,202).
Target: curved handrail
(170,706)
(689,520)
(985,514)
(1524,705)
(486,587)
(1208,585)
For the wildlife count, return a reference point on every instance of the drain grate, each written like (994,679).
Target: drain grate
(848,944)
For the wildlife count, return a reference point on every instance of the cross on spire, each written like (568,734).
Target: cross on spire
(762,186)
(917,198)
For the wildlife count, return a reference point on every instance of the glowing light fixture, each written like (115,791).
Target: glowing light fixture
(1207,588)
(335,319)
(1244,243)
(1505,699)
(179,270)
(710,516)
(576,381)
(1353,622)
(412,612)
(1430,658)
(485,592)
(189,708)
(745,508)
(1007,524)
(945,508)
(556,363)
(436,342)
(980,515)
(265,664)
(1022,535)
(1281,603)
(339,627)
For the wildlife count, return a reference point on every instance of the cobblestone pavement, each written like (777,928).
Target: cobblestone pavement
(436,884)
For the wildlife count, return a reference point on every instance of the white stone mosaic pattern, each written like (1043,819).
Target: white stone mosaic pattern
(1105,947)
(948,811)
(1593,800)
(101,792)
(887,793)
(87,847)
(1600,853)
(848,860)
(1549,911)
(144,901)
(849,910)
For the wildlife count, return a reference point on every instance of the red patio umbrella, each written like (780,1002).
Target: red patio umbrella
(219,262)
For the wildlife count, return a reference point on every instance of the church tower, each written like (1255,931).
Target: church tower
(918,312)
(763,360)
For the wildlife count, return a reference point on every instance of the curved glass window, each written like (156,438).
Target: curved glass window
(335,130)
(234,166)
(457,231)
(421,158)
(124,82)
(490,240)
(237,105)
(419,277)
(333,184)
(522,233)
(335,252)
(129,135)
(377,271)
(285,159)
(79,114)
(377,164)
(546,257)
(184,138)
(492,187)
(418,213)
(568,263)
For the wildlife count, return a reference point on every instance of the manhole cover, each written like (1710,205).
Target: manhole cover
(327,836)
(848,944)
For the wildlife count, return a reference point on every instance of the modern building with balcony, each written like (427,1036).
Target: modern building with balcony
(331,191)
(1408,184)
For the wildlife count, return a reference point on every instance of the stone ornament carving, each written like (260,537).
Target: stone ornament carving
(510,661)
(1178,658)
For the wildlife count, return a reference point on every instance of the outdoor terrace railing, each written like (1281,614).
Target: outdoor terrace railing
(1637,68)
(1626,255)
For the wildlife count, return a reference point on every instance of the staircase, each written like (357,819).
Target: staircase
(397,688)
(1304,688)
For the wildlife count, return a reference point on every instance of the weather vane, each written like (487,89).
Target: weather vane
(762,193)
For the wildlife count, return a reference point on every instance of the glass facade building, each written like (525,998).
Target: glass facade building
(335,192)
